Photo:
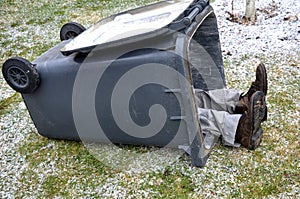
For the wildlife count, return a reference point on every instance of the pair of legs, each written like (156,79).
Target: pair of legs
(216,113)
(235,117)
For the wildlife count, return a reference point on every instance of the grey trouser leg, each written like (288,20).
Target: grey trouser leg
(216,108)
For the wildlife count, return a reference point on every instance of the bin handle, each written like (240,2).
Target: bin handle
(186,21)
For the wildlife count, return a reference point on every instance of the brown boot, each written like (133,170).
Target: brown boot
(249,133)
(260,84)
(261,81)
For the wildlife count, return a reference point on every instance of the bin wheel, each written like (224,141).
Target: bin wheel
(20,75)
(71,30)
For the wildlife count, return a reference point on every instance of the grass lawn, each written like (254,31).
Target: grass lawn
(35,167)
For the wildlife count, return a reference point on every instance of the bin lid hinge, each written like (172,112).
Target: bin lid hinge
(173,90)
(177,118)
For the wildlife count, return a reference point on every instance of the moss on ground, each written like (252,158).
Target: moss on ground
(7,104)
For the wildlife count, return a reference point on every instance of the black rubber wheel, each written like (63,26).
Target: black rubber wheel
(20,74)
(71,30)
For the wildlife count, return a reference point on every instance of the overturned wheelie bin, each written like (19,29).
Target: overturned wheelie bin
(128,79)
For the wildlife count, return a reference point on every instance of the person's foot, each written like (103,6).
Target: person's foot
(261,81)
(249,132)
(260,84)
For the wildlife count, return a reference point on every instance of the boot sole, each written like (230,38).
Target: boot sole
(265,77)
(265,87)
(257,112)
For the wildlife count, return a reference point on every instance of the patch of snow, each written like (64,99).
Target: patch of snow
(271,34)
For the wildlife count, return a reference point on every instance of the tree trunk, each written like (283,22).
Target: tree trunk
(250,13)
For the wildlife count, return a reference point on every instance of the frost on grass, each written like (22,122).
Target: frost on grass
(137,160)
(5,90)
(36,167)
(15,126)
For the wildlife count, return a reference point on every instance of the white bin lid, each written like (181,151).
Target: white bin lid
(130,23)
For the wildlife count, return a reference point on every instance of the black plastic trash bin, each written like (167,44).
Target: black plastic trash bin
(127,79)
